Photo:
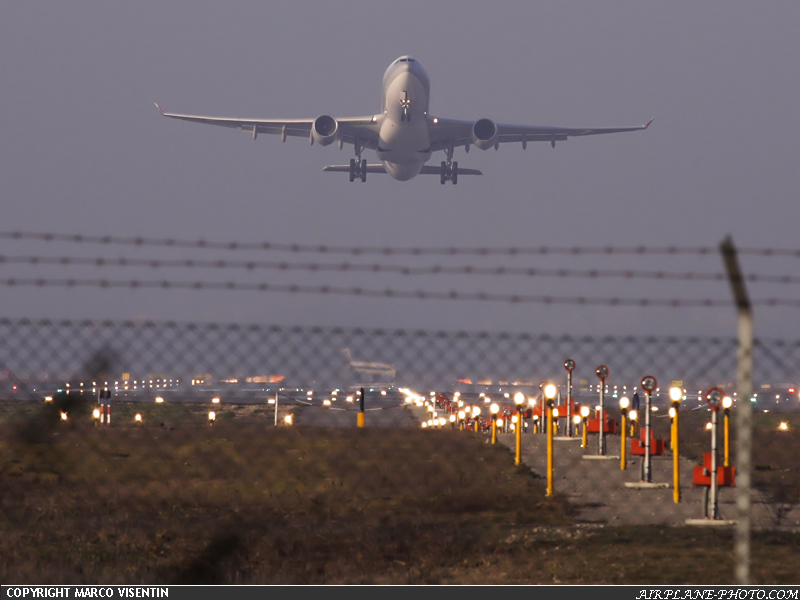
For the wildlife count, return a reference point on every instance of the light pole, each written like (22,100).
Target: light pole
(727,402)
(569,365)
(585,410)
(519,399)
(602,373)
(624,403)
(550,392)
(493,409)
(649,384)
(675,394)
(542,408)
(714,399)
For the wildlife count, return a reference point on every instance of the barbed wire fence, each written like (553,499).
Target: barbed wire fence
(248,361)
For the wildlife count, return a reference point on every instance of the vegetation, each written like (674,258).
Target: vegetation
(243,501)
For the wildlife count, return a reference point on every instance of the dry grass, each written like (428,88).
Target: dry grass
(245,502)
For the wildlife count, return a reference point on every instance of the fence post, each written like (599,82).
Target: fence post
(744,390)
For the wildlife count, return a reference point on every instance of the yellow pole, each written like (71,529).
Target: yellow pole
(676,469)
(360,419)
(727,440)
(549,452)
(584,441)
(494,429)
(622,463)
(518,430)
(477,424)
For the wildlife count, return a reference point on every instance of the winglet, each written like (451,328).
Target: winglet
(646,126)
(162,112)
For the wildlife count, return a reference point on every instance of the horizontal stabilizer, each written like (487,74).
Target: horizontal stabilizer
(432,170)
(346,168)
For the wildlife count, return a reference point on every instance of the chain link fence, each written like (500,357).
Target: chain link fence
(78,397)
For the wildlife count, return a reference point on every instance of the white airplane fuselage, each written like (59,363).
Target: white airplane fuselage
(404,139)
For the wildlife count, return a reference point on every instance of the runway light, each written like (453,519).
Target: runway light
(784,426)
(159,400)
(96,413)
(212,416)
(48,398)
(383,392)
(138,419)
(63,416)
(350,399)
(215,400)
(326,402)
(288,419)
(708,426)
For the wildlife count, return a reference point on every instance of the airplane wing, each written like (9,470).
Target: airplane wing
(361,129)
(426,170)
(450,132)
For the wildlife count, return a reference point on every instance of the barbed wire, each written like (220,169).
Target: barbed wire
(387,250)
(384,268)
(385,293)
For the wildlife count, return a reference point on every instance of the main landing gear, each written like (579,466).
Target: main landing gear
(449,172)
(358,167)
(449,168)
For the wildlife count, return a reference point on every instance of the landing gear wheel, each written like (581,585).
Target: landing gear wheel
(352,169)
(364,170)
(443,176)
(454,173)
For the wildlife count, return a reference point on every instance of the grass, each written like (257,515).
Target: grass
(246,502)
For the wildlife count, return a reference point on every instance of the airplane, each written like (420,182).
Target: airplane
(404,134)
(372,371)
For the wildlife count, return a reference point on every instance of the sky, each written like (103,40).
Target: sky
(83,150)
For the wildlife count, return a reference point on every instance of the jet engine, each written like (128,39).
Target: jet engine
(324,130)
(484,134)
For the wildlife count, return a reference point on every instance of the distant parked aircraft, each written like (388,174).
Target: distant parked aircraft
(370,372)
